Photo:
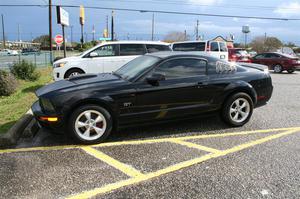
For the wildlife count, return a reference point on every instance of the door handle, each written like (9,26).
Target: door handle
(201,84)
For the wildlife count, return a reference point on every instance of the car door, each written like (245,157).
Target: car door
(182,93)
(260,59)
(101,59)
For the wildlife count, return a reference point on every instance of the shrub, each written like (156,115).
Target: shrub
(8,83)
(25,70)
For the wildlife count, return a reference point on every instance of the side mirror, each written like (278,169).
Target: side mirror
(93,54)
(155,79)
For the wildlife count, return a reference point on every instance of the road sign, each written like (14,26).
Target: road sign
(58,39)
(62,16)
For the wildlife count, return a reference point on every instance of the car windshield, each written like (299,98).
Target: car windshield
(243,52)
(136,67)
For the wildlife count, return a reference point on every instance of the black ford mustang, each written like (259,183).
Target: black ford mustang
(153,87)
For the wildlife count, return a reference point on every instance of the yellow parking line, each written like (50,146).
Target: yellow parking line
(149,141)
(128,170)
(196,146)
(173,168)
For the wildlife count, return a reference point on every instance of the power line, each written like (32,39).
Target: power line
(239,6)
(162,12)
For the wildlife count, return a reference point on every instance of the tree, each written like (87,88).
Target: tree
(176,36)
(261,44)
(43,40)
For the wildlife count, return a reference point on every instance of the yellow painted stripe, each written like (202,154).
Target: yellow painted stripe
(128,170)
(196,146)
(148,141)
(176,167)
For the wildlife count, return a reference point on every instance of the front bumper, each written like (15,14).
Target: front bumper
(38,113)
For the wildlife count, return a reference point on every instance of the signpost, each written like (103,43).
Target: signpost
(58,40)
(63,19)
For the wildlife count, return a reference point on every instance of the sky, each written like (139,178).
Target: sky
(33,21)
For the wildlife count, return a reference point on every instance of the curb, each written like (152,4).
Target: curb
(14,133)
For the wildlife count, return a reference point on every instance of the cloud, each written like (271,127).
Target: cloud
(288,9)
(205,2)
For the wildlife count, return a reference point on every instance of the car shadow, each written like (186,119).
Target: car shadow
(195,126)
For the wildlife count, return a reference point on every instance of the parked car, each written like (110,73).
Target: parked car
(154,87)
(9,52)
(106,57)
(214,48)
(277,62)
(238,55)
(29,51)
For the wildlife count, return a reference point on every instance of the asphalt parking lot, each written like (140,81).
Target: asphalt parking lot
(199,158)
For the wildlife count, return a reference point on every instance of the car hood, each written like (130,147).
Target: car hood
(81,82)
(73,58)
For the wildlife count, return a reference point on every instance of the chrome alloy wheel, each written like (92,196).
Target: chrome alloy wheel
(90,125)
(74,74)
(239,110)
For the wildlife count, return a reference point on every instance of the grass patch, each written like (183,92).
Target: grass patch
(14,106)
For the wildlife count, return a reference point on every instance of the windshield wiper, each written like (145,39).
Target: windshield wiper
(118,75)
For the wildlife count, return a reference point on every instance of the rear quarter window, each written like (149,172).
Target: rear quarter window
(151,48)
(195,46)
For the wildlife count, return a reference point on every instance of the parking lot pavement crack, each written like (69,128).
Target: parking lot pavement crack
(127,169)
(196,146)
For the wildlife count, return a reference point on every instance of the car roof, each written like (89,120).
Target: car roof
(183,42)
(136,42)
(170,54)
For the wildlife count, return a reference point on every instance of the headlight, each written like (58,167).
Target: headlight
(60,64)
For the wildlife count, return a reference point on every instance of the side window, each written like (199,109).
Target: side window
(214,46)
(272,56)
(180,68)
(131,49)
(104,51)
(261,56)
(223,47)
(151,48)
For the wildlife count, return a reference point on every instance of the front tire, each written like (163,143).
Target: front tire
(90,124)
(73,72)
(278,68)
(237,109)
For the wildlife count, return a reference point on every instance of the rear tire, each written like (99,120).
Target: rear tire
(290,71)
(237,109)
(90,124)
(278,68)
(73,72)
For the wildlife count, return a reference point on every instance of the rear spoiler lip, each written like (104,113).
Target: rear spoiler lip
(255,66)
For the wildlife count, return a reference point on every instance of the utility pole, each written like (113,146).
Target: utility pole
(197,30)
(3,32)
(71,27)
(112,25)
(93,32)
(152,35)
(19,38)
(50,30)
(107,25)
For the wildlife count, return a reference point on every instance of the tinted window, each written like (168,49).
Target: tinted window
(214,46)
(151,48)
(271,55)
(136,67)
(107,50)
(223,47)
(185,67)
(197,46)
(132,49)
(261,56)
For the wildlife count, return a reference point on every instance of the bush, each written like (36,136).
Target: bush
(25,70)
(8,83)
